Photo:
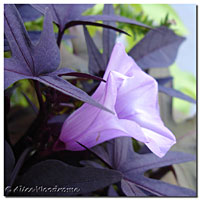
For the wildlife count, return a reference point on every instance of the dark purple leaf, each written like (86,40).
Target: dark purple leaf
(144,149)
(35,36)
(109,36)
(90,163)
(39,61)
(100,153)
(159,188)
(96,61)
(133,166)
(112,192)
(19,42)
(113,18)
(82,22)
(26,58)
(149,161)
(27,12)
(158,48)
(130,189)
(61,71)
(67,15)
(34,108)
(118,150)
(47,50)
(175,93)
(63,13)
(67,88)
(163,81)
(9,162)
(132,162)
(171,91)
(51,173)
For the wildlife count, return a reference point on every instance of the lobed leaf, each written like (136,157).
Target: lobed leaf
(34,37)
(38,62)
(63,13)
(96,61)
(151,161)
(130,189)
(118,149)
(158,48)
(27,12)
(133,166)
(67,15)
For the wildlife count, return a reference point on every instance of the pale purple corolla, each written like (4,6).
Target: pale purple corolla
(132,95)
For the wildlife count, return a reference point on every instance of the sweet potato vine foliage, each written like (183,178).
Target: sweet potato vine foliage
(93,133)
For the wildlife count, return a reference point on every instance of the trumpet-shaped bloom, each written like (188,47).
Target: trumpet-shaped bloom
(132,95)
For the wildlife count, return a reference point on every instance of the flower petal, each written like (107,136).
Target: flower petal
(137,100)
(99,125)
(132,95)
(158,143)
(120,62)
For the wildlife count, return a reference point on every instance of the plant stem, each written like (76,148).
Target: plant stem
(39,95)
(27,139)
(59,38)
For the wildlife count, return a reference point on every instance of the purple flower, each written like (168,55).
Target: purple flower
(133,97)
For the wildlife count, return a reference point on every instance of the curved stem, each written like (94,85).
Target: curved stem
(60,35)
